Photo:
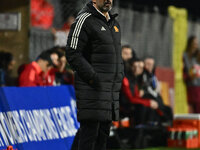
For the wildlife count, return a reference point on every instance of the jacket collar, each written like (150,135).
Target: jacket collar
(102,13)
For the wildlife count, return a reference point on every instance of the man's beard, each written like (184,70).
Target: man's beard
(105,8)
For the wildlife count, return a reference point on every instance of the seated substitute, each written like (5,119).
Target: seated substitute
(33,74)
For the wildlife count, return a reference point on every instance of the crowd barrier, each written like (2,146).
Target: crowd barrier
(37,118)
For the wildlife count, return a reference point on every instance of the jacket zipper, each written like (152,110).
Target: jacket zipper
(110,27)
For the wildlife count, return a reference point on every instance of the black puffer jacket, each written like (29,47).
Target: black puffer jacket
(94,52)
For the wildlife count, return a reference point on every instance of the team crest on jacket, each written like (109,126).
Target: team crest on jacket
(116,29)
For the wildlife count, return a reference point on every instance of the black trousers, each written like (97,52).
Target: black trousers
(92,135)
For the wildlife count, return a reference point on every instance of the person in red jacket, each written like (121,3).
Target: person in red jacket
(131,90)
(134,97)
(33,74)
(131,96)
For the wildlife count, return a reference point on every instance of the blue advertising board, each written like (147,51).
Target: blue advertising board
(37,118)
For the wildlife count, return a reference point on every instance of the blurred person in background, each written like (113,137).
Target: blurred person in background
(130,98)
(127,54)
(50,74)
(65,74)
(149,88)
(33,74)
(60,35)
(191,75)
(7,64)
(59,74)
(150,85)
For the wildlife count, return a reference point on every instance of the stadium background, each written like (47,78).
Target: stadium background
(153,28)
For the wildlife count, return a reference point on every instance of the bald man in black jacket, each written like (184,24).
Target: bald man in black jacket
(94,52)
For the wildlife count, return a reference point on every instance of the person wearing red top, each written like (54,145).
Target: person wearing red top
(130,98)
(131,91)
(33,73)
(135,96)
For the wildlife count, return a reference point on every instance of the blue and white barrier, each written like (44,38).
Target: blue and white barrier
(37,118)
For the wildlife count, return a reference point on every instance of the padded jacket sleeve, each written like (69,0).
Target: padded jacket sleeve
(76,45)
